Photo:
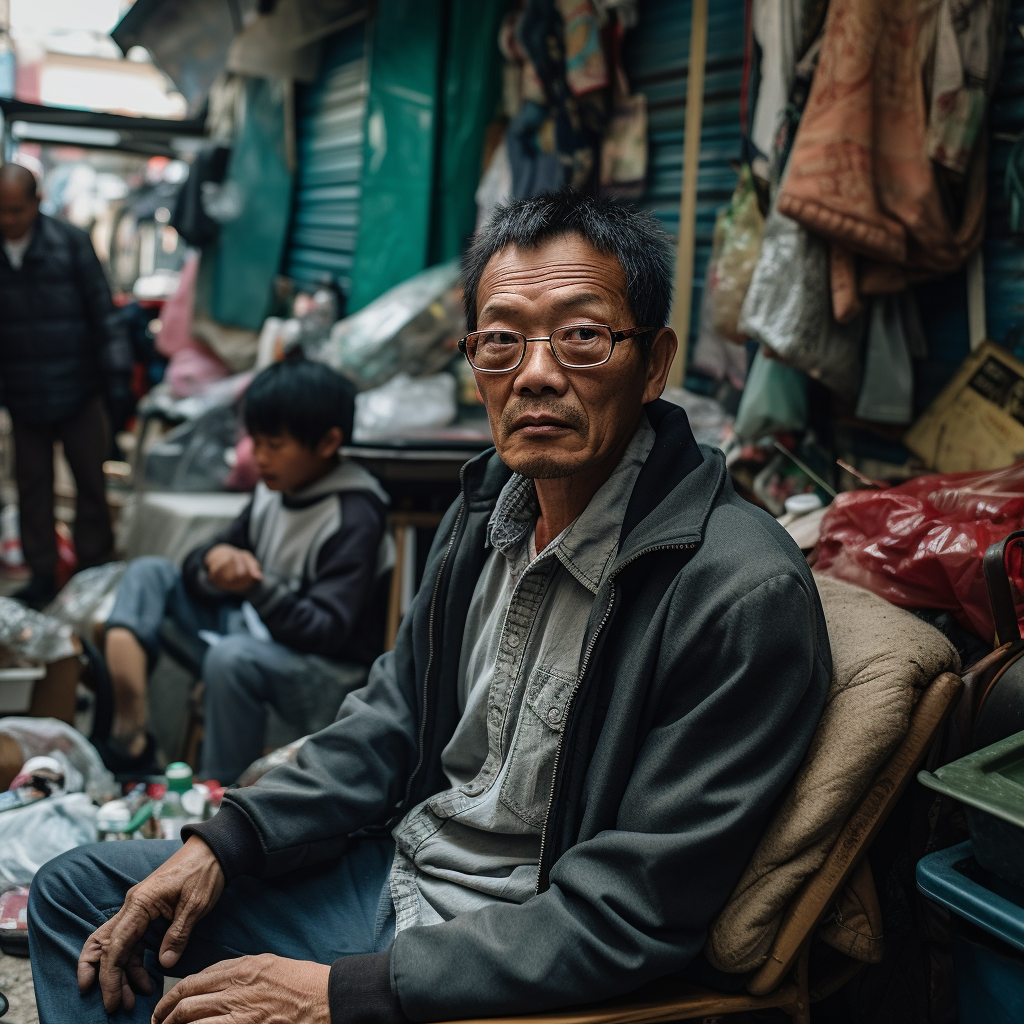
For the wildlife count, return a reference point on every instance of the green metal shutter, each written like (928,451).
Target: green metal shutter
(657,56)
(331,113)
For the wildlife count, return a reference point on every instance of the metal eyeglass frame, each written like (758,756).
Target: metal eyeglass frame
(616,337)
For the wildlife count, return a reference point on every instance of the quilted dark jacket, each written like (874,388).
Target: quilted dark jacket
(61,339)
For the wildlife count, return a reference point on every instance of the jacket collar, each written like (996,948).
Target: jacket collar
(587,546)
(671,499)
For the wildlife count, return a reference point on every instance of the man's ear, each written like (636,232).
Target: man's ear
(663,351)
(330,443)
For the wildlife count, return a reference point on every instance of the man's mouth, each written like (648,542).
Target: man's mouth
(540,424)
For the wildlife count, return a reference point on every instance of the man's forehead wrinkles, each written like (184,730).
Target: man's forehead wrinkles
(571,274)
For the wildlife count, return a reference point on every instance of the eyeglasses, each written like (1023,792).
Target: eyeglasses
(578,347)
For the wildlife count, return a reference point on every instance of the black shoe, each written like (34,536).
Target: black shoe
(37,593)
(130,768)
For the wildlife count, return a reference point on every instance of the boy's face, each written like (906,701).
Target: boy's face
(286,464)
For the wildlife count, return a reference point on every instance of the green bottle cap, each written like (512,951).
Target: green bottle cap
(179,777)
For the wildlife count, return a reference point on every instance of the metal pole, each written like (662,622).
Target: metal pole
(682,290)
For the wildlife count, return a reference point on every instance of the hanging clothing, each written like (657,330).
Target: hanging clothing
(861,174)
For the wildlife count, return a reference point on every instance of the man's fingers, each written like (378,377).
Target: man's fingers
(177,935)
(206,984)
(88,960)
(207,1007)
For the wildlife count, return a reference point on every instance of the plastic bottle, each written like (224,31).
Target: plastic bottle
(172,815)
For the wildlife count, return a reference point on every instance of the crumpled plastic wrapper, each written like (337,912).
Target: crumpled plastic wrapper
(87,596)
(34,635)
(404,406)
(413,327)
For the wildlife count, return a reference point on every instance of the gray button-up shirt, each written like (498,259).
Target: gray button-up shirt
(479,842)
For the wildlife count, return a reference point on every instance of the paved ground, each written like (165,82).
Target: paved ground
(16,984)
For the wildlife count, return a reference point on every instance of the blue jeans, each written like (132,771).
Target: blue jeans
(243,674)
(319,913)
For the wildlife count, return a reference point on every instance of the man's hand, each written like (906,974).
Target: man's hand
(251,988)
(232,569)
(182,890)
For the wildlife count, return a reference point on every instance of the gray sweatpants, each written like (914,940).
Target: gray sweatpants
(243,674)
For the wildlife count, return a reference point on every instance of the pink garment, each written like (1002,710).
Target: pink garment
(192,369)
(176,315)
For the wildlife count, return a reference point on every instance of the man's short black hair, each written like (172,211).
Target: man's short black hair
(301,398)
(644,251)
(19,175)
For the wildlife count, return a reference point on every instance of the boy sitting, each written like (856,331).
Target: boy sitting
(283,606)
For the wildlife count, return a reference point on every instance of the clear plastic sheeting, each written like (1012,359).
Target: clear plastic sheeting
(197,455)
(34,635)
(413,327)
(40,737)
(32,835)
(87,593)
(405,406)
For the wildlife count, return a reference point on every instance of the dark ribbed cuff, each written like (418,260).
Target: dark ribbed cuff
(359,991)
(234,841)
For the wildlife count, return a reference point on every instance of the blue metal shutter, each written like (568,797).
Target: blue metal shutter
(657,56)
(1004,255)
(329,149)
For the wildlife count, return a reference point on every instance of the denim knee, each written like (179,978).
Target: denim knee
(60,883)
(234,658)
(145,568)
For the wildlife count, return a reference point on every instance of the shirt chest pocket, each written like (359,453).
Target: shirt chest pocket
(526,790)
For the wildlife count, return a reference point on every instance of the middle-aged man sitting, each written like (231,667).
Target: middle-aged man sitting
(547,791)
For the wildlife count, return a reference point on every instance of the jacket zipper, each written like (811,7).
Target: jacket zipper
(430,650)
(579,682)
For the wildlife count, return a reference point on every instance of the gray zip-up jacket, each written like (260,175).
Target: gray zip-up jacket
(702,679)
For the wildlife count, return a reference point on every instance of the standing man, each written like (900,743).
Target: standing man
(63,357)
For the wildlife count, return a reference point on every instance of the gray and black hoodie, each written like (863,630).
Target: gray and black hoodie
(324,553)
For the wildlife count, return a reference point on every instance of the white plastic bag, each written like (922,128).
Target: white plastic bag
(32,835)
(88,592)
(405,405)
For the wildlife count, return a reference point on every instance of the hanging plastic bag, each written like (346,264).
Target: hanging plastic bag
(775,399)
(921,545)
(788,307)
(739,229)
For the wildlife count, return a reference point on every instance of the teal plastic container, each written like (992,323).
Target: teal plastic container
(988,958)
(990,785)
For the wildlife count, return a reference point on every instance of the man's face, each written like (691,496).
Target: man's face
(548,421)
(18,211)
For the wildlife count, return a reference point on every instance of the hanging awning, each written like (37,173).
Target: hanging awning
(152,136)
(193,41)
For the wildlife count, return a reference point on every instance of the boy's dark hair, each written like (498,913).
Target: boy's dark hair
(302,398)
(644,251)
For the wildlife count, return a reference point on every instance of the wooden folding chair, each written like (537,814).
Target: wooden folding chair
(783,981)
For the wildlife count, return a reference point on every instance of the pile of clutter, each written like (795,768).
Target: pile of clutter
(61,797)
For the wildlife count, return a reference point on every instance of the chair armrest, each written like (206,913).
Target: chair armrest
(812,903)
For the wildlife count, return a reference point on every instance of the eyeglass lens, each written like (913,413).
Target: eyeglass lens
(577,346)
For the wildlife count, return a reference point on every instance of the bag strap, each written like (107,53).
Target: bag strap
(997,580)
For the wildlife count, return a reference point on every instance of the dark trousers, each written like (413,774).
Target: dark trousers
(86,441)
(318,913)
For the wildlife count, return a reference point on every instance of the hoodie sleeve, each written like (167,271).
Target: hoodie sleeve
(193,569)
(319,619)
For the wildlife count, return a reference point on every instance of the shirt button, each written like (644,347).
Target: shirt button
(513,641)
(554,715)
(473,789)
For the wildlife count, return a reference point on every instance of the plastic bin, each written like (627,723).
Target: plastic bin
(16,686)
(990,785)
(989,963)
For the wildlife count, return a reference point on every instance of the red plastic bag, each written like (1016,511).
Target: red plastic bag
(921,545)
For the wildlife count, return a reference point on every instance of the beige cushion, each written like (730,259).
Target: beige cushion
(881,657)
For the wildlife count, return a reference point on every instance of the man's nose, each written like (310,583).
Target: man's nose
(540,371)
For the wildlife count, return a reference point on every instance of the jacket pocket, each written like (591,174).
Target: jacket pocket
(527,786)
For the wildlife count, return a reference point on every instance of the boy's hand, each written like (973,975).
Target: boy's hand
(182,890)
(232,569)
